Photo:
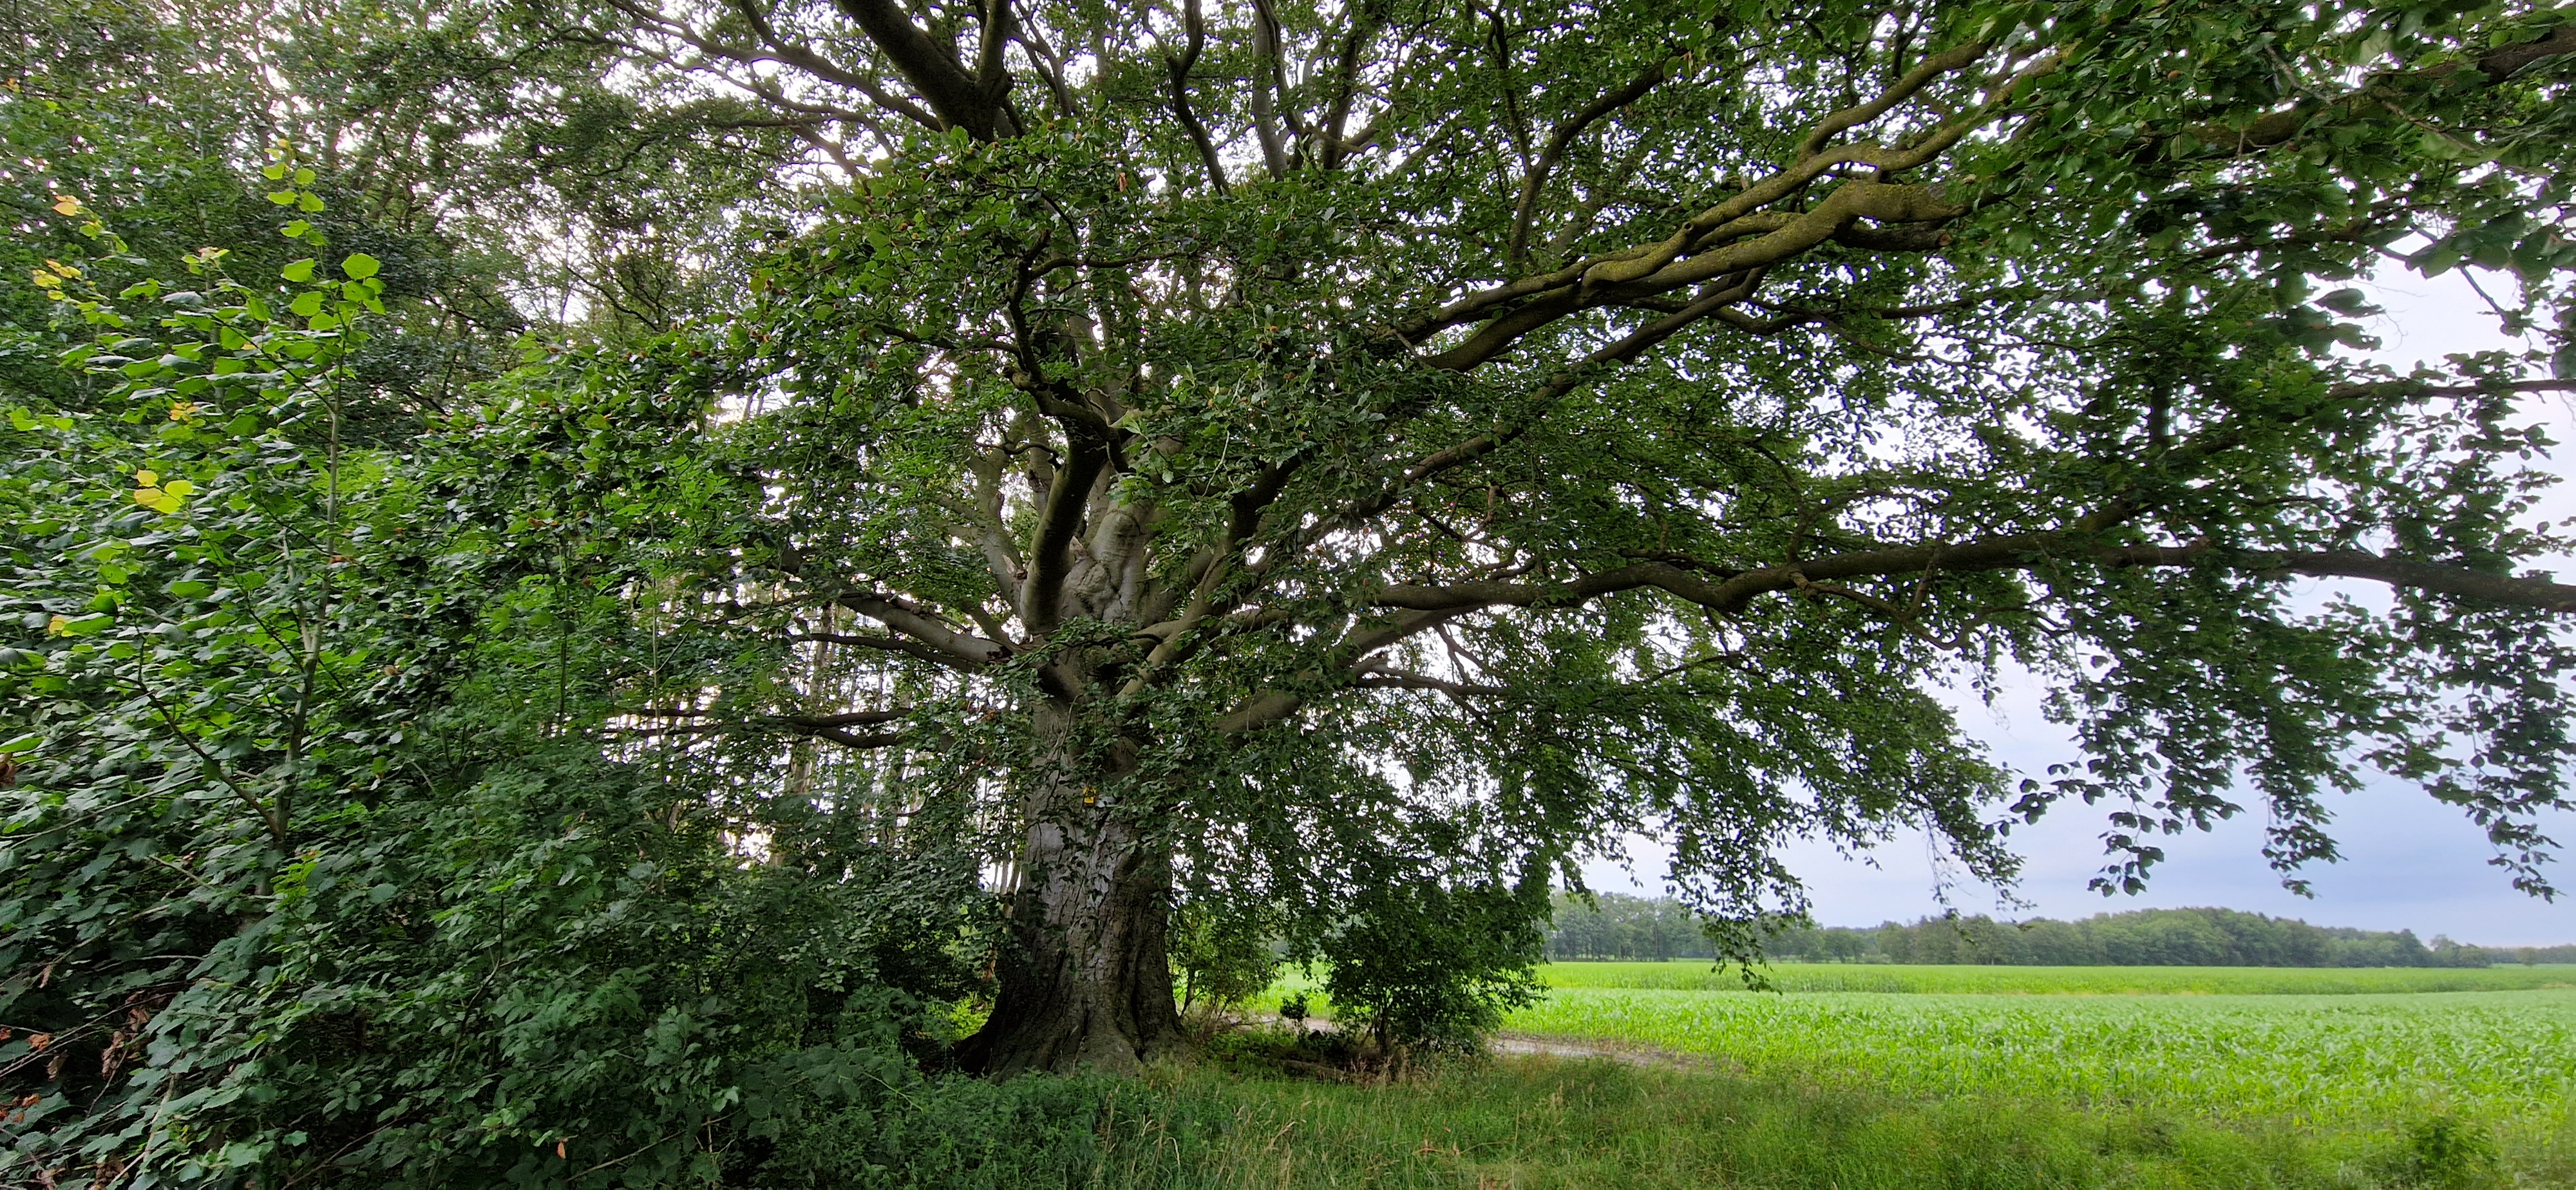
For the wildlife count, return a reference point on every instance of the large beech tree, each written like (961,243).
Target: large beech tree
(1305,459)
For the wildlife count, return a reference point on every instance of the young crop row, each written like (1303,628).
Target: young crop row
(1699,975)
(2343,1060)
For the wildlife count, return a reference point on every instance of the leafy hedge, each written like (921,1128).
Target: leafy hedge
(319,864)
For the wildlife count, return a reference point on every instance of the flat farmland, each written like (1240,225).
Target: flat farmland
(1963,1078)
(1698,976)
(2506,1057)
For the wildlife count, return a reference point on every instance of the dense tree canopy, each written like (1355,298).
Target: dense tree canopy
(1302,451)
(988,478)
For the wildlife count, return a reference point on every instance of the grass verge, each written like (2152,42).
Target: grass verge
(1542,1123)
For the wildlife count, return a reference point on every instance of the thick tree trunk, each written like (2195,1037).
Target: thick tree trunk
(1086,980)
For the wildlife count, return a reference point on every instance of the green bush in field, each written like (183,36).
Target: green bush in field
(1424,968)
(1222,954)
(2443,1153)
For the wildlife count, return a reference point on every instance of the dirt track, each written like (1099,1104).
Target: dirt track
(1543,1045)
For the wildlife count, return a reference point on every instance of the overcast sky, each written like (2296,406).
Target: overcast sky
(2409,862)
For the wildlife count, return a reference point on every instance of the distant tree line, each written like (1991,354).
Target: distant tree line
(1611,926)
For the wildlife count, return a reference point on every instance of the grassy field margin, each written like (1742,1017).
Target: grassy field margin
(1983,1077)
(1549,1124)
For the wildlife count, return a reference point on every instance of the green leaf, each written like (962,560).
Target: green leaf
(283,198)
(309,203)
(360,266)
(306,304)
(301,270)
(24,743)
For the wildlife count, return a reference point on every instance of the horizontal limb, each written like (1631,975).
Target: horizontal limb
(1733,591)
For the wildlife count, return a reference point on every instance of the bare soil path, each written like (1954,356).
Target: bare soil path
(1549,1045)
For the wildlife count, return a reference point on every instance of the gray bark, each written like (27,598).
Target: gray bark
(1085,978)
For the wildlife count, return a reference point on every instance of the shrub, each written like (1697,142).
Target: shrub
(2443,1153)
(1426,968)
(1223,955)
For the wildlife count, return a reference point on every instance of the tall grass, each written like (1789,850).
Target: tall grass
(1543,1124)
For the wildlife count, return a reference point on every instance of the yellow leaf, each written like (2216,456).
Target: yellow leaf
(65,204)
(145,479)
(178,487)
(58,625)
(168,503)
(147,496)
(62,268)
(182,410)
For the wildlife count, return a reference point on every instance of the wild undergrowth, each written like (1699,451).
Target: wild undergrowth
(1538,1122)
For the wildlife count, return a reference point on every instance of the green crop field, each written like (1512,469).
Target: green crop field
(2335,1060)
(2328,1047)
(1697,975)
(2091,1076)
